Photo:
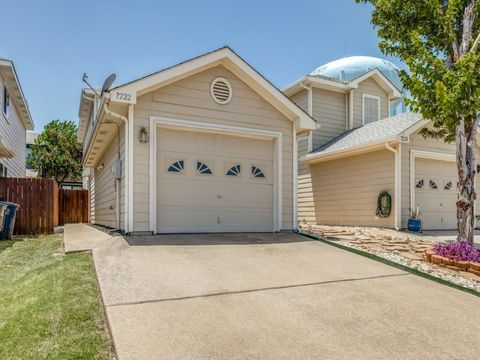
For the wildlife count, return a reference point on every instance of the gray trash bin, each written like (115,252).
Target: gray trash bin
(9,219)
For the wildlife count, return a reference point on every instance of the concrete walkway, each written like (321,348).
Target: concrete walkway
(82,237)
(274,296)
(448,236)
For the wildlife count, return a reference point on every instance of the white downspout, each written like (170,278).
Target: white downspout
(350,108)
(397,184)
(389,102)
(295,178)
(310,112)
(117,180)
(347,118)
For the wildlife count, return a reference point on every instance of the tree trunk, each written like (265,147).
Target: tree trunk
(466,145)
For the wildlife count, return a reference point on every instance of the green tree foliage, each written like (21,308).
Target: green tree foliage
(56,153)
(439,42)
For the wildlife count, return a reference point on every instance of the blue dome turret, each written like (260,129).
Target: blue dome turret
(351,67)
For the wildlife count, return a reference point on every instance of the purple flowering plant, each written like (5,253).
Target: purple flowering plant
(458,250)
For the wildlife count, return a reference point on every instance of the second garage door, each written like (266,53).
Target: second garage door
(436,193)
(213,183)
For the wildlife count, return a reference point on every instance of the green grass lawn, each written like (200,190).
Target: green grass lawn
(49,303)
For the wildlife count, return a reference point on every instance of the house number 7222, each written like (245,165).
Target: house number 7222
(123,96)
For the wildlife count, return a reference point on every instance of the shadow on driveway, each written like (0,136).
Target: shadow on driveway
(215,239)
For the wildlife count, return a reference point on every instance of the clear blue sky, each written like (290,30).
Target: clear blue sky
(52,42)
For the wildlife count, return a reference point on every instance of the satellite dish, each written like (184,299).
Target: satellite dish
(107,84)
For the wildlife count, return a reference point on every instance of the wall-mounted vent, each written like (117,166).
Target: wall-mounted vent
(221,91)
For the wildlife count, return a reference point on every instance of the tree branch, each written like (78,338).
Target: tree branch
(456,55)
(468,20)
(475,44)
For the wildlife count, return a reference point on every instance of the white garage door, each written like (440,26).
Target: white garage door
(213,183)
(436,193)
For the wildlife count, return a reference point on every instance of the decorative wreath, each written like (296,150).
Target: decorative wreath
(384,205)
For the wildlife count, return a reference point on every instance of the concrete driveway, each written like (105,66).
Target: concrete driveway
(448,236)
(274,296)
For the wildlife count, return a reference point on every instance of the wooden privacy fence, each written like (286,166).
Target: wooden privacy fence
(40,204)
(73,206)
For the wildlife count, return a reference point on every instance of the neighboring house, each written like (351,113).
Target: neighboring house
(208,145)
(15,120)
(30,171)
(359,151)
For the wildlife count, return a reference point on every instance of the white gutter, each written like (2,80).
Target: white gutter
(117,179)
(338,153)
(398,200)
(114,114)
(88,98)
(310,112)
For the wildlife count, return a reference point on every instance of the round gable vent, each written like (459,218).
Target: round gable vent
(221,91)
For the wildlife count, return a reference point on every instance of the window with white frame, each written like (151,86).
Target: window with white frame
(370,108)
(3,170)
(6,102)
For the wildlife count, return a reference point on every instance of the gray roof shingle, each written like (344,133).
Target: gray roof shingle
(372,132)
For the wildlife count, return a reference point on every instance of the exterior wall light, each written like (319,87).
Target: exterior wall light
(143,135)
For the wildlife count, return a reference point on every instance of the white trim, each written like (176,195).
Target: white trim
(398,202)
(364,96)
(129,189)
(220,129)
(389,100)
(6,103)
(364,147)
(7,70)
(228,58)
(342,86)
(126,177)
(432,155)
(335,154)
(315,81)
(310,101)
(295,180)
(397,183)
(346,112)
(226,82)
(310,112)
(379,75)
(350,107)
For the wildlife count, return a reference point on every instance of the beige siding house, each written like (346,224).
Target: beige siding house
(15,120)
(207,145)
(359,151)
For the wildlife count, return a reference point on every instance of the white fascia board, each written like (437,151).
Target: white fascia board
(327,84)
(433,155)
(331,155)
(415,127)
(314,81)
(294,87)
(83,121)
(24,111)
(394,92)
(234,63)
